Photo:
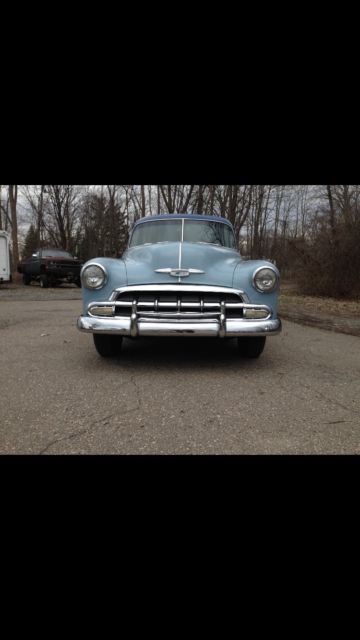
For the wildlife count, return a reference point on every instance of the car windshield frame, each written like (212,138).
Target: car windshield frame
(183,223)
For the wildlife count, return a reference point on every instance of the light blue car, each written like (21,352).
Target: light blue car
(180,276)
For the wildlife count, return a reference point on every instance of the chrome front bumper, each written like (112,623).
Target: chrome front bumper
(133,327)
(135,317)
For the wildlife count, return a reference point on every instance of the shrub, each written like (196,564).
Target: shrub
(329,263)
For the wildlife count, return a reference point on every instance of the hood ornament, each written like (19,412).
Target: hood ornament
(179,273)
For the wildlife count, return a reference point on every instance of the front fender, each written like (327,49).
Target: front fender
(116,277)
(243,276)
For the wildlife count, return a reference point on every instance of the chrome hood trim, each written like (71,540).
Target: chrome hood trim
(181,272)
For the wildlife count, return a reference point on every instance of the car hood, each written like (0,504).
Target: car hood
(61,260)
(217,263)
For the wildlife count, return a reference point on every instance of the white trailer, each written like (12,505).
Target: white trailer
(5,274)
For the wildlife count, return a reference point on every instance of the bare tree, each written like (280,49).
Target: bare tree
(34,195)
(177,198)
(61,214)
(5,220)
(185,201)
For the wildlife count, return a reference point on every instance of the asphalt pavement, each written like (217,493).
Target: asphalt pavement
(167,396)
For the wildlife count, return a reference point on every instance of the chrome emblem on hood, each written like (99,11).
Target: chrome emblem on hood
(179,273)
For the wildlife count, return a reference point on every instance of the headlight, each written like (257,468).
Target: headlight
(94,276)
(265,279)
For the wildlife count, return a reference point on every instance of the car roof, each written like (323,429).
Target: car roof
(192,216)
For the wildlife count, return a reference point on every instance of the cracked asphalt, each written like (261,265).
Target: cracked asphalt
(170,396)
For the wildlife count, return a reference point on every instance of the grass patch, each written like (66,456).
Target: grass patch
(289,296)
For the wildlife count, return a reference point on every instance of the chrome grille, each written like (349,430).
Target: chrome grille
(181,304)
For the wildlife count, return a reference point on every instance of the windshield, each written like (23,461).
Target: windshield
(157,231)
(194,231)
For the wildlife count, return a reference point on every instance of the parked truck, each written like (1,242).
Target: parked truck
(51,267)
(5,270)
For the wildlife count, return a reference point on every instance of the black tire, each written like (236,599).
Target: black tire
(44,281)
(26,280)
(78,283)
(251,347)
(107,346)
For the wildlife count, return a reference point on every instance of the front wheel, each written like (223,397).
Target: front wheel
(44,281)
(107,346)
(251,347)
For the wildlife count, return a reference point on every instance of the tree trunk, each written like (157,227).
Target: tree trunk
(150,198)
(332,211)
(200,203)
(187,200)
(14,226)
(143,201)
(40,216)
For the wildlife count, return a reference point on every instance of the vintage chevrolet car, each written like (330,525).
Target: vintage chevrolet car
(180,276)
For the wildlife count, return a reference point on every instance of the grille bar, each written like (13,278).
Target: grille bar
(156,305)
(178,314)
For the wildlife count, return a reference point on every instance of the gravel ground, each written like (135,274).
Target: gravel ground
(34,292)
(169,396)
(342,316)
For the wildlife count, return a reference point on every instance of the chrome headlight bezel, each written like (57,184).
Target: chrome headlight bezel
(275,282)
(104,272)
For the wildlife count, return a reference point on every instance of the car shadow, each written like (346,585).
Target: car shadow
(186,354)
